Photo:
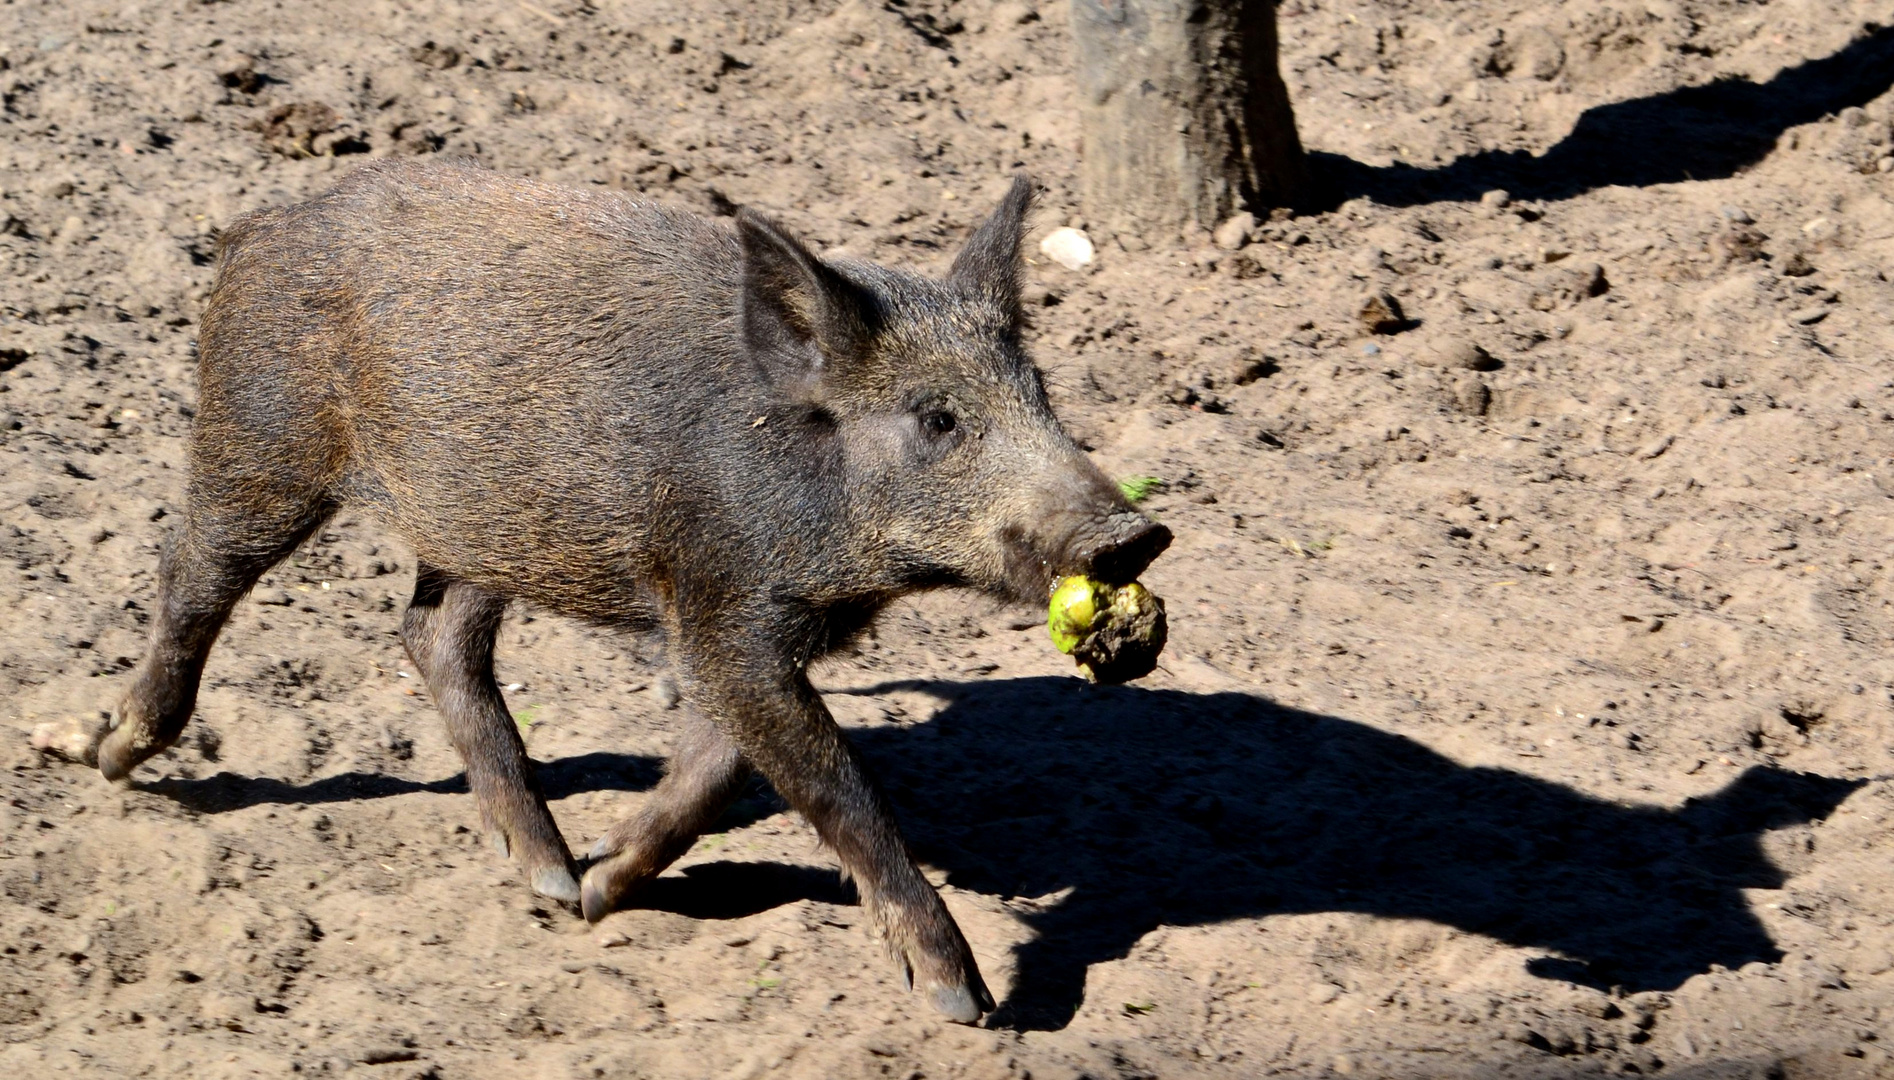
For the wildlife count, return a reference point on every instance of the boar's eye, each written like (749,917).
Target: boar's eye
(939,422)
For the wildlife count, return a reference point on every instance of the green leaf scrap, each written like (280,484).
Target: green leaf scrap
(1136,489)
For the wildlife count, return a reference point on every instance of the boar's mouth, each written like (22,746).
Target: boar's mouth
(1115,550)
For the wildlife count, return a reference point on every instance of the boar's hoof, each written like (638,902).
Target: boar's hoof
(595,901)
(960,1004)
(117,755)
(603,849)
(555,883)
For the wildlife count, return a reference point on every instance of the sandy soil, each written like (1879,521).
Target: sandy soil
(1528,706)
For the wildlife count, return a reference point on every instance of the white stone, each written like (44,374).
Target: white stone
(1234,233)
(1068,247)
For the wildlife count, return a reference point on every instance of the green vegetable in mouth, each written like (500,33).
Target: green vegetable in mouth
(1115,632)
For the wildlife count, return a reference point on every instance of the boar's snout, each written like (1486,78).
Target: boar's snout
(1119,549)
(1114,545)
(1076,522)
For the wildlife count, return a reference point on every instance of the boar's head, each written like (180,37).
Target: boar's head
(955,470)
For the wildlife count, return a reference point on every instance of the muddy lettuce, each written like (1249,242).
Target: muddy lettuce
(1115,632)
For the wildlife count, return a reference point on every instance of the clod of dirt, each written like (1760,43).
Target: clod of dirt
(243,77)
(1472,396)
(438,57)
(1591,280)
(1737,244)
(1797,266)
(1460,354)
(1246,264)
(1380,313)
(1245,370)
(1532,52)
(1012,13)
(305,129)
(291,130)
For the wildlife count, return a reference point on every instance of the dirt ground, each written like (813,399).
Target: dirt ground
(1528,706)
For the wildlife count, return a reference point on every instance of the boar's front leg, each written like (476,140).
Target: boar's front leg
(772,714)
(449,630)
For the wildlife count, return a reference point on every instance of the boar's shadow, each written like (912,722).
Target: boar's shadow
(225,791)
(1706,132)
(1162,807)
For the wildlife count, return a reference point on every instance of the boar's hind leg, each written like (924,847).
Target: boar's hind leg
(788,735)
(705,775)
(449,630)
(230,534)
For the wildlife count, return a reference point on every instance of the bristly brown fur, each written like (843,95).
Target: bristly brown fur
(641,418)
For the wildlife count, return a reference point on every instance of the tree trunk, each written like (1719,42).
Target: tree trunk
(1184,113)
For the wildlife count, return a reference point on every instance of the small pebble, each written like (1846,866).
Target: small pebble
(1738,215)
(1886,164)
(1808,316)
(613,941)
(1496,199)
(1069,248)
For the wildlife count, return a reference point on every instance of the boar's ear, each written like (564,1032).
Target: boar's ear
(801,316)
(989,265)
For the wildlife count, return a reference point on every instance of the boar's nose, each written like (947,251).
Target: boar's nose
(1121,550)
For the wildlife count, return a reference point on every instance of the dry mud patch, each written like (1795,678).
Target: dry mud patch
(1527,711)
